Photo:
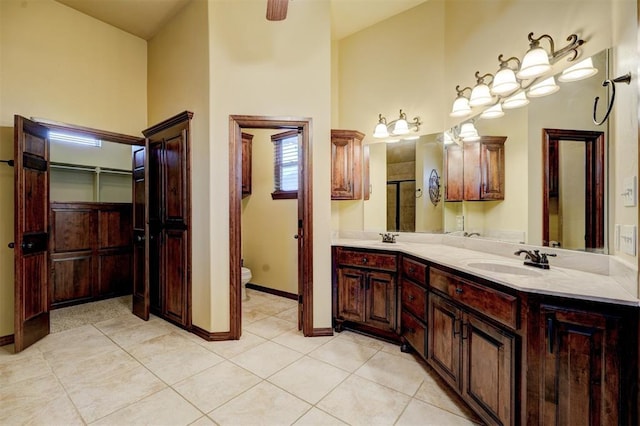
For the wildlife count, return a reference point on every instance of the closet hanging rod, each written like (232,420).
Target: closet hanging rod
(93,169)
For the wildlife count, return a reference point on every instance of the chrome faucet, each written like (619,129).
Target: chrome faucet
(471,234)
(535,258)
(388,237)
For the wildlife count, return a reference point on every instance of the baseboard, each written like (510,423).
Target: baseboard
(272,291)
(319,332)
(6,340)
(210,336)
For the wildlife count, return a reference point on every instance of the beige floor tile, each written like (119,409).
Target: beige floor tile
(436,392)
(266,359)
(270,327)
(343,353)
(358,401)
(97,398)
(290,315)
(263,404)
(274,307)
(136,334)
(216,385)
(87,339)
(250,314)
(309,379)
(175,357)
(118,323)
(295,340)
(421,413)
(203,421)
(16,368)
(165,407)
(37,402)
(361,339)
(230,348)
(315,417)
(393,371)
(96,367)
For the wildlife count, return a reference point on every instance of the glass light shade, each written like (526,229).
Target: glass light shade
(543,88)
(401,127)
(515,101)
(534,64)
(461,107)
(448,140)
(381,131)
(392,140)
(468,130)
(474,138)
(504,82)
(480,95)
(493,112)
(579,71)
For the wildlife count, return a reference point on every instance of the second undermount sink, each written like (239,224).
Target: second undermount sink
(502,268)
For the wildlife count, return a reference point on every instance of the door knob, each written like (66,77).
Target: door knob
(11,245)
(139,238)
(296,236)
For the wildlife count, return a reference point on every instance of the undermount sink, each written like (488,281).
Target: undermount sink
(502,268)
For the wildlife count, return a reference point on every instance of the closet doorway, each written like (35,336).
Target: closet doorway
(34,220)
(304,235)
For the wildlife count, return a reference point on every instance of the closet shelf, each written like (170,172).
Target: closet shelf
(93,169)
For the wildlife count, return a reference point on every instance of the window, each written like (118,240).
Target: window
(285,154)
(74,138)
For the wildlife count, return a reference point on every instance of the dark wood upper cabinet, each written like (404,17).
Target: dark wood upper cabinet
(346,164)
(247,143)
(475,171)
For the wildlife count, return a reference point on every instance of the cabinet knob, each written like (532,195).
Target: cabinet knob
(365,260)
(459,290)
(11,245)
(411,270)
(411,297)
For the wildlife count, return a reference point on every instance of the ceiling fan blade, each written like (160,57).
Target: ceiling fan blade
(277,9)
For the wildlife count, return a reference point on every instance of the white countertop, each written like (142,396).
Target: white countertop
(556,281)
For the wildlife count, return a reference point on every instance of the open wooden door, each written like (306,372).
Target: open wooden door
(140,234)
(300,235)
(31,199)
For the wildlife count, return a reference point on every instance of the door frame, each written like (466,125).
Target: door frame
(594,185)
(305,214)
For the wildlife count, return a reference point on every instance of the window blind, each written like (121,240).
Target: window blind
(286,161)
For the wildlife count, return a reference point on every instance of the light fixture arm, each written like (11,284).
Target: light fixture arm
(381,119)
(504,63)
(480,79)
(460,92)
(572,47)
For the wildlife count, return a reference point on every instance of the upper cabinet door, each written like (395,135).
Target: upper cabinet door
(346,164)
(31,196)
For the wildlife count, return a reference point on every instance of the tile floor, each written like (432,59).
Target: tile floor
(127,371)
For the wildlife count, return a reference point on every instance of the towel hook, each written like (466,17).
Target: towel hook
(622,79)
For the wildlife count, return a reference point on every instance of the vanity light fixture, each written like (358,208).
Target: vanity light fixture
(399,126)
(581,70)
(543,88)
(515,101)
(461,107)
(493,112)
(468,132)
(504,82)
(537,61)
(480,94)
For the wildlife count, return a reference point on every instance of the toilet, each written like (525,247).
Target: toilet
(246,277)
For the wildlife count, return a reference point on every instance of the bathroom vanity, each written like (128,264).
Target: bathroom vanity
(520,345)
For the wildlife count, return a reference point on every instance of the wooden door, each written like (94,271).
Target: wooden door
(247,142)
(443,348)
(31,197)
(581,368)
(454,167)
(381,300)
(488,383)
(140,235)
(346,165)
(351,294)
(492,169)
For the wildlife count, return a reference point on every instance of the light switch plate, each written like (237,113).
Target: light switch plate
(616,237)
(628,239)
(629,191)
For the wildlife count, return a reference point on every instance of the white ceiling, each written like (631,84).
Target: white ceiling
(143,18)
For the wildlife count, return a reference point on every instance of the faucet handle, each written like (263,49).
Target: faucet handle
(543,257)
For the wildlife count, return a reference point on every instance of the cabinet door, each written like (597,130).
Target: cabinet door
(175,292)
(488,383)
(351,294)
(492,171)
(443,348)
(346,165)
(580,368)
(455,170)
(381,300)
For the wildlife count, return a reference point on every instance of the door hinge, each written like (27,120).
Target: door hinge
(300,299)
(299,223)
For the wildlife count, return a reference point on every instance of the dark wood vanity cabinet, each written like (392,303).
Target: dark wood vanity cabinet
(364,291)
(475,171)
(346,164)
(247,142)
(472,344)
(413,305)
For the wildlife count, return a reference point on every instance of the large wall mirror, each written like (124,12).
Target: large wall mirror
(400,200)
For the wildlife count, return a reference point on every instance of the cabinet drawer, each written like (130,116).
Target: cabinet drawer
(414,299)
(363,259)
(414,331)
(494,304)
(415,271)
